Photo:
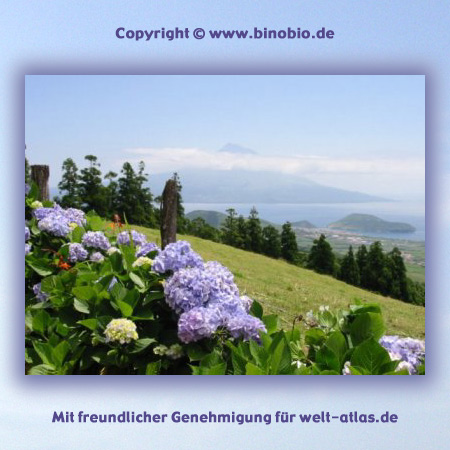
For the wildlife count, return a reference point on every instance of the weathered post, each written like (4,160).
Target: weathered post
(169,213)
(40,175)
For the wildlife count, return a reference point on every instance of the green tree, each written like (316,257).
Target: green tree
(361,260)
(69,185)
(241,233)
(92,192)
(198,227)
(378,274)
(254,232)
(399,280)
(349,271)
(112,193)
(271,242)
(321,257)
(289,248)
(229,228)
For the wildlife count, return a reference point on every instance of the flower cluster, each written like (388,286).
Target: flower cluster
(138,239)
(147,248)
(175,351)
(207,298)
(27,236)
(96,239)
(77,253)
(121,330)
(142,261)
(176,256)
(58,221)
(410,352)
(97,257)
(41,296)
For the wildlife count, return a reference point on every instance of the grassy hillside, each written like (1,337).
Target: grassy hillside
(288,290)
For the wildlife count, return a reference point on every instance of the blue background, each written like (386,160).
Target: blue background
(78,37)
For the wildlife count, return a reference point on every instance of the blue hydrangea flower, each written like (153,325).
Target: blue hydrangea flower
(58,221)
(96,239)
(245,326)
(27,233)
(147,248)
(41,296)
(97,257)
(198,323)
(175,256)
(410,352)
(139,239)
(77,253)
(27,249)
(192,287)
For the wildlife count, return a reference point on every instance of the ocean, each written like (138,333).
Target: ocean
(322,214)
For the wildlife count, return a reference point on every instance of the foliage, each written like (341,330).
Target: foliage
(349,271)
(167,312)
(321,258)
(289,248)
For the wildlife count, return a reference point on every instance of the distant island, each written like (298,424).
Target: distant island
(370,224)
(303,224)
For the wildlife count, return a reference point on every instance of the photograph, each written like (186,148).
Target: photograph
(224,224)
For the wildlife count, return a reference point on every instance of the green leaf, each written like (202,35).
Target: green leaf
(140,345)
(271,323)
(153,368)
(41,321)
(41,268)
(251,369)
(329,372)
(125,308)
(60,352)
(366,326)
(44,351)
(218,369)
(137,280)
(95,223)
(77,234)
(195,352)
(89,323)
(370,307)
(259,354)
(280,362)
(314,336)
(256,309)
(337,343)
(84,293)
(81,306)
(326,359)
(42,369)
(370,355)
(210,360)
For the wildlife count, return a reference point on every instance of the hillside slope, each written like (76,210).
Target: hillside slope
(287,290)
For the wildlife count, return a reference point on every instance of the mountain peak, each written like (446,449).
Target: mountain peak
(237,149)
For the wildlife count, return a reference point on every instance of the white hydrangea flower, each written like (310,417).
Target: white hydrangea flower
(142,261)
(73,225)
(112,250)
(121,330)
(37,204)
(160,350)
(346,369)
(175,351)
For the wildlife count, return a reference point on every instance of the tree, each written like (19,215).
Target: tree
(241,233)
(181,219)
(271,242)
(229,228)
(378,272)
(27,170)
(91,190)
(254,232)
(321,257)
(69,185)
(349,271)
(361,260)
(112,193)
(289,248)
(199,227)
(399,280)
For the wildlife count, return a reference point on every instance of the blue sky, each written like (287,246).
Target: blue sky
(322,127)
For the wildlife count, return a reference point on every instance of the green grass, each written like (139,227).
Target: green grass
(287,290)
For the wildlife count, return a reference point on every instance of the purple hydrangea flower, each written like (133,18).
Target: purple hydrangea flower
(192,287)
(41,296)
(410,352)
(245,326)
(57,221)
(27,233)
(77,253)
(97,257)
(147,248)
(198,323)
(96,239)
(175,256)
(27,249)
(139,239)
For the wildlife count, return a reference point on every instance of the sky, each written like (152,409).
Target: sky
(337,130)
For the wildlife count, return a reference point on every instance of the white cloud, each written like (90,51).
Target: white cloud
(162,160)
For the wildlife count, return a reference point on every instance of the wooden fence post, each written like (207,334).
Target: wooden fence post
(169,213)
(40,175)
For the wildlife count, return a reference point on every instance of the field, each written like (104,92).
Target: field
(288,290)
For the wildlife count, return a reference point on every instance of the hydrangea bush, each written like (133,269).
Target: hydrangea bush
(97,302)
